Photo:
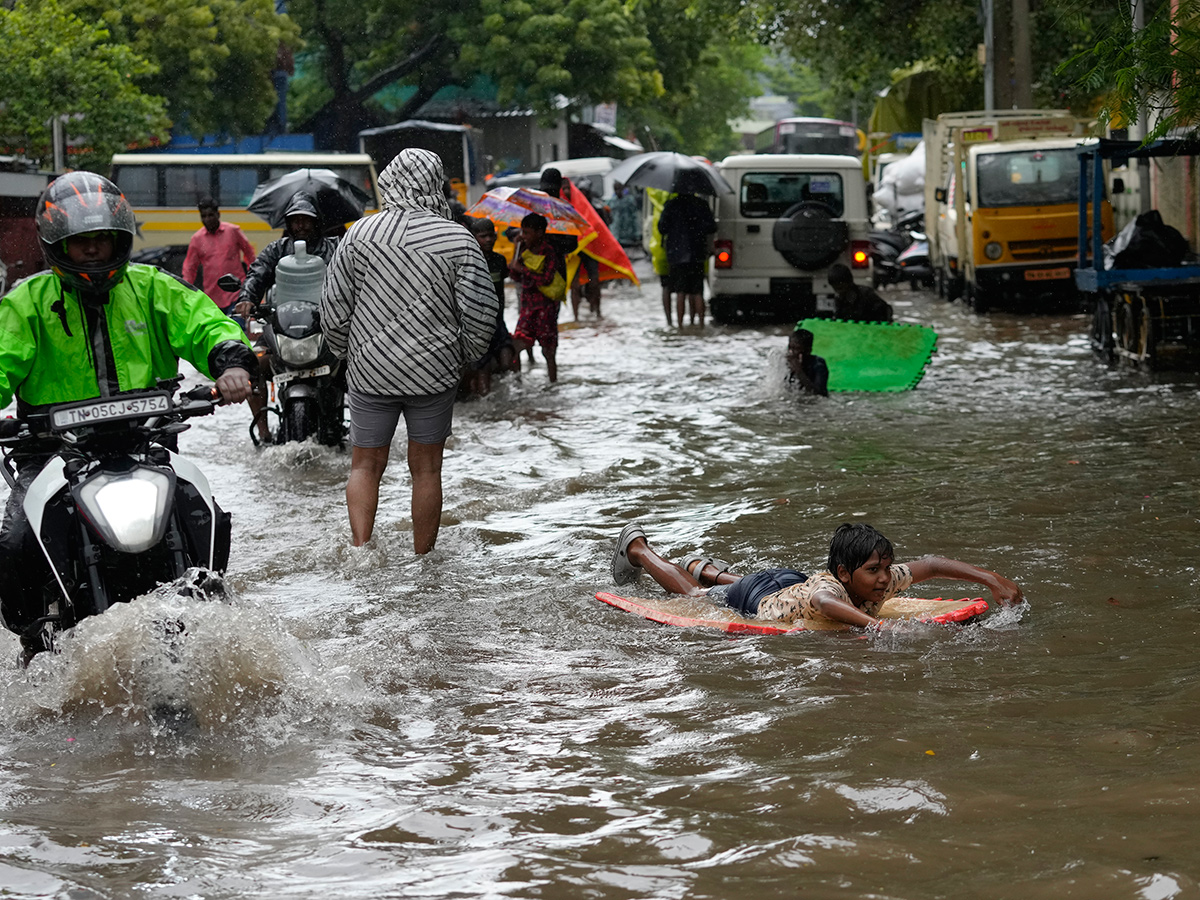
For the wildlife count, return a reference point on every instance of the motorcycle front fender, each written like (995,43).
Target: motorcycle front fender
(186,470)
(42,490)
(298,389)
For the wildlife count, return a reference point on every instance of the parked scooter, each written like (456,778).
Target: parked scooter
(886,247)
(307,378)
(114,511)
(914,264)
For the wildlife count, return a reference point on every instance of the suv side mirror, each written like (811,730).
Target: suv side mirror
(939,194)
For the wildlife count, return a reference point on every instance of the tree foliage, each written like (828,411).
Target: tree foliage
(1149,75)
(677,67)
(709,67)
(858,46)
(212,61)
(68,67)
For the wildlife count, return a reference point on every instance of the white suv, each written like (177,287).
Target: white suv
(790,218)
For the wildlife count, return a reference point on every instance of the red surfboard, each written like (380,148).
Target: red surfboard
(697,612)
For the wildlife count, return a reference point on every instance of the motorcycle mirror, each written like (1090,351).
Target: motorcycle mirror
(229,283)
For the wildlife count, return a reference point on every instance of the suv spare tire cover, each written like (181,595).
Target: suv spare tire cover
(810,236)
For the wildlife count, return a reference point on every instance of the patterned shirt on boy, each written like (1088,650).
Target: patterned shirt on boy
(796,602)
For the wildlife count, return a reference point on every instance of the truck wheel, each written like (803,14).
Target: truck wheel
(723,310)
(977,299)
(1147,337)
(1101,334)
(809,236)
(954,288)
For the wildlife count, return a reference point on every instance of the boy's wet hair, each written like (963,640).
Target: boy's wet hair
(853,544)
(207,203)
(839,275)
(480,226)
(534,221)
(801,335)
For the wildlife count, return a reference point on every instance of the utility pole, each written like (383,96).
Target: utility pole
(1137,130)
(58,137)
(988,51)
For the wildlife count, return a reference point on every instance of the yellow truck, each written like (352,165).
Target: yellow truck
(1001,207)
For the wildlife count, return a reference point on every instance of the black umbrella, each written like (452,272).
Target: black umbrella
(338,200)
(670,171)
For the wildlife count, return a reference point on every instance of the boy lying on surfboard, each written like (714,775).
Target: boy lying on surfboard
(862,575)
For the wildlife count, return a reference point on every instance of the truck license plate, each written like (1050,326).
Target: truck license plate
(110,409)
(283,377)
(1047,274)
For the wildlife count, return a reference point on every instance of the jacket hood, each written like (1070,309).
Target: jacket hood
(302,204)
(413,180)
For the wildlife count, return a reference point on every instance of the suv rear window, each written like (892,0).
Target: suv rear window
(771,194)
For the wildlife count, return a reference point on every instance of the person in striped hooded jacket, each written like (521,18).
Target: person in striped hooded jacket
(407,300)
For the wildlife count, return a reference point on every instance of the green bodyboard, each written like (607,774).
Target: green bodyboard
(872,356)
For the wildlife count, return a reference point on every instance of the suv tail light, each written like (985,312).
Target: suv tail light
(724,254)
(860,254)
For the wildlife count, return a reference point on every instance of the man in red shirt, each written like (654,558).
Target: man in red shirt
(219,248)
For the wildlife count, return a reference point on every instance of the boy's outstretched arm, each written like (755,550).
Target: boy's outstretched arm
(1006,592)
(840,611)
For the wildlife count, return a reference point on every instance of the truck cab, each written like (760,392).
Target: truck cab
(1004,207)
(1022,216)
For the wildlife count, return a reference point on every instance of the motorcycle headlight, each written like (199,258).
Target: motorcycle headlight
(993,250)
(129,510)
(300,351)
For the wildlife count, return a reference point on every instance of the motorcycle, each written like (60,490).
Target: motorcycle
(114,511)
(886,247)
(307,379)
(914,262)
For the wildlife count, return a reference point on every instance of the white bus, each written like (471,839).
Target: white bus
(163,189)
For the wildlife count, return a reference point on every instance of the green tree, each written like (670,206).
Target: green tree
(858,46)
(534,50)
(212,61)
(70,68)
(1152,72)
(708,68)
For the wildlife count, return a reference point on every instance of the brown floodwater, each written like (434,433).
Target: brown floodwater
(475,724)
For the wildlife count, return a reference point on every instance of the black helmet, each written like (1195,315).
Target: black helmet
(80,203)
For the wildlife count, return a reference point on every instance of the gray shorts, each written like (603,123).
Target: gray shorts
(374,417)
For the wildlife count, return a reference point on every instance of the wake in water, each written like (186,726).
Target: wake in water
(178,660)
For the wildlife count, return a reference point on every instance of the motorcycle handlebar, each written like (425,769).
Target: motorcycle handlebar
(199,401)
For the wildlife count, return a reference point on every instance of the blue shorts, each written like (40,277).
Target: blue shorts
(747,592)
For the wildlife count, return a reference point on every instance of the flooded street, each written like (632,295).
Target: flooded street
(475,724)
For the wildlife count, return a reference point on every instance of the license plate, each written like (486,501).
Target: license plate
(301,373)
(110,409)
(1047,274)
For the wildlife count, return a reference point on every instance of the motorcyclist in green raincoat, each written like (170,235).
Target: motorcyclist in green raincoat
(93,326)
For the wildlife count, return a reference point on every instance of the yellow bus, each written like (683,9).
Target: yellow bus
(163,189)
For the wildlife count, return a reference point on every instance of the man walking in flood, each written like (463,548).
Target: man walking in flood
(407,300)
(219,248)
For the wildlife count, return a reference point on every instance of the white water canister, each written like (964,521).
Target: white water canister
(299,277)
